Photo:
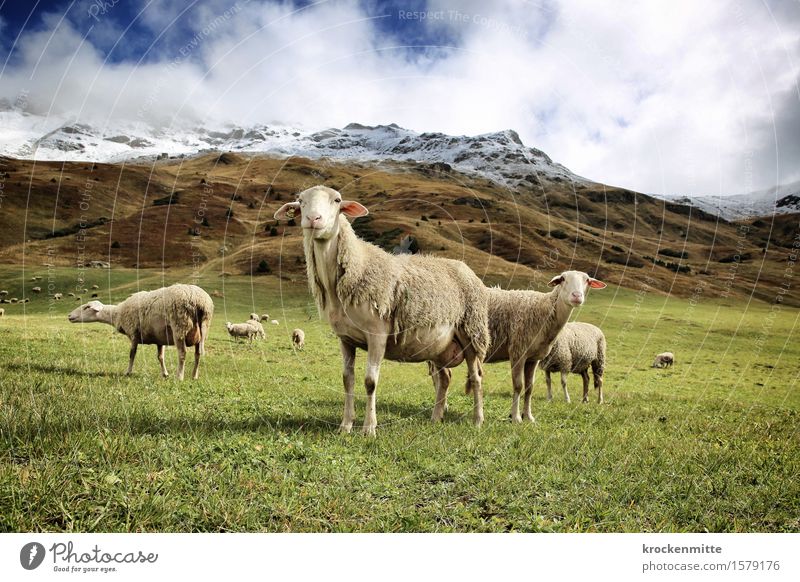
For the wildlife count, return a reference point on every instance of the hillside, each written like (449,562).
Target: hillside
(151,215)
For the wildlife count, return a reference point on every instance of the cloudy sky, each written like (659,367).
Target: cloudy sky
(672,96)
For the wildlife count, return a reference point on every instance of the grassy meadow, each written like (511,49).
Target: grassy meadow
(708,445)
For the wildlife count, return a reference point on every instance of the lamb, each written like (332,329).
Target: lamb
(37,289)
(411,308)
(57,296)
(523,325)
(578,347)
(177,315)
(237,330)
(664,360)
(299,338)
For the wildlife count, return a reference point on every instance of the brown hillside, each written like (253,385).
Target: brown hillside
(151,215)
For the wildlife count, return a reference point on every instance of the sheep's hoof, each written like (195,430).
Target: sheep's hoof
(530,418)
(369,430)
(516,419)
(345,428)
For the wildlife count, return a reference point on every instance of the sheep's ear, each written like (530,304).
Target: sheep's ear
(95,306)
(288,210)
(353,209)
(557,280)
(596,283)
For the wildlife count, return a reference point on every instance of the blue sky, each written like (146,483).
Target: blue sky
(663,96)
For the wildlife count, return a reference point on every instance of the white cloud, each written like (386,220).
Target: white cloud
(678,97)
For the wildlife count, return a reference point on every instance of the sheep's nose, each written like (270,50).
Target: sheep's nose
(576,297)
(313,221)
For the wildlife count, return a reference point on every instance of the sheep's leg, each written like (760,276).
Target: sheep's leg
(517,379)
(376,347)
(598,383)
(549,385)
(441,382)
(564,382)
(585,376)
(134,345)
(180,343)
(475,382)
(348,378)
(530,373)
(197,353)
(160,356)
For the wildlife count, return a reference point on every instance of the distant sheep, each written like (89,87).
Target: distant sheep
(178,315)
(70,294)
(275,322)
(254,317)
(58,296)
(37,289)
(664,360)
(26,300)
(265,317)
(299,338)
(577,348)
(260,333)
(237,330)
(3,293)
(13,300)
(95,287)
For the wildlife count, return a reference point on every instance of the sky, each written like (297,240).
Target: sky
(664,97)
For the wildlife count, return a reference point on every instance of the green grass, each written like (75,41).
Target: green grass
(711,444)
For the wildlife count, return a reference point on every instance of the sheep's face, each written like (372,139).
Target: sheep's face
(573,286)
(86,313)
(319,208)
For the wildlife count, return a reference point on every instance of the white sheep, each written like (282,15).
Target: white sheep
(260,333)
(57,296)
(523,325)
(577,348)
(237,330)
(26,300)
(13,300)
(95,287)
(298,338)
(274,322)
(177,315)
(3,293)
(254,317)
(664,360)
(265,317)
(70,294)
(410,308)
(37,289)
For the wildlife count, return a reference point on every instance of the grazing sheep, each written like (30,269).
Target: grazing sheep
(13,300)
(95,287)
(265,317)
(70,294)
(2,312)
(37,289)
(3,293)
(299,338)
(410,308)
(275,322)
(57,296)
(26,300)
(664,360)
(578,347)
(94,295)
(254,317)
(177,315)
(237,330)
(260,333)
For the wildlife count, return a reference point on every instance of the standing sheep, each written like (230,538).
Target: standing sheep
(37,289)
(255,324)
(410,308)
(265,317)
(237,330)
(274,322)
(299,338)
(578,347)
(57,296)
(178,315)
(3,293)
(664,360)
(254,317)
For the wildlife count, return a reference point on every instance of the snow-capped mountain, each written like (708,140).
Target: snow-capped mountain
(500,156)
(782,199)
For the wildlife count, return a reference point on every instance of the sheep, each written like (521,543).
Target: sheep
(57,296)
(254,317)
(70,294)
(578,347)
(299,338)
(94,296)
(3,293)
(265,317)
(13,300)
(664,360)
(37,289)
(95,287)
(523,325)
(410,308)
(274,322)
(237,330)
(26,300)
(178,315)
(260,333)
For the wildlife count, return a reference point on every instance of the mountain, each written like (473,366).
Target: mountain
(784,199)
(500,156)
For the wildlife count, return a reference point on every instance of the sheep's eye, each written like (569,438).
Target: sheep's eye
(338,201)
